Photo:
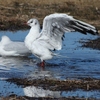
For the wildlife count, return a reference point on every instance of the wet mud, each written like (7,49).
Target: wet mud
(94,44)
(54,85)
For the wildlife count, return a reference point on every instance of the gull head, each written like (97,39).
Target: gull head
(33,22)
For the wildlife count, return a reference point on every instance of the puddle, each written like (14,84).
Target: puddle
(7,89)
(75,62)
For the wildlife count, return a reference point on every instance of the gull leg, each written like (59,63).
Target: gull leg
(42,64)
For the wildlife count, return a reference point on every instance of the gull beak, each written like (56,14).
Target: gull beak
(25,23)
(28,24)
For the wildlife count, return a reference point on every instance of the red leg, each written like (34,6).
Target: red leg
(42,64)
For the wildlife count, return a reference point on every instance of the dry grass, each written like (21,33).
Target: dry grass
(86,10)
(83,2)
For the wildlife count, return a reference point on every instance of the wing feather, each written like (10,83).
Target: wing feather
(55,25)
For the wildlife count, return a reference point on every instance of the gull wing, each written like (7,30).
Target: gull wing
(55,25)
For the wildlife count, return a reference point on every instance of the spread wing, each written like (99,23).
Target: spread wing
(55,25)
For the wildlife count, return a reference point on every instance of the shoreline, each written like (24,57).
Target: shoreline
(86,84)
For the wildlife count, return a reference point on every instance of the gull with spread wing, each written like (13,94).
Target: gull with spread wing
(41,43)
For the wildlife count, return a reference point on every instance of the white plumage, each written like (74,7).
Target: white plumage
(10,48)
(50,38)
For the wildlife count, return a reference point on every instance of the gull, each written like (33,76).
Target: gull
(11,48)
(43,42)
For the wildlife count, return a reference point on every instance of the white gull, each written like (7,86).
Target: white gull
(50,38)
(11,48)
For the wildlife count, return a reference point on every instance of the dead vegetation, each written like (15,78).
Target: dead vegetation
(14,13)
(94,44)
(57,85)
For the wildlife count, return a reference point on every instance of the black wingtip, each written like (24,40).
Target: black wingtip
(97,32)
(92,32)
(84,28)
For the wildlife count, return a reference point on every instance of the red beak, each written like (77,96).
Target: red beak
(25,23)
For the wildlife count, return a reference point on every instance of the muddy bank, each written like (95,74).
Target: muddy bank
(13,25)
(54,85)
(94,44)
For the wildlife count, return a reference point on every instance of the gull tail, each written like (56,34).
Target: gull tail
(83,27)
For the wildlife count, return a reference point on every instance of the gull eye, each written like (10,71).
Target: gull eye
(31,22)
(35,23)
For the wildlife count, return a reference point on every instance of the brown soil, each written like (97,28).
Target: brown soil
(13,14)
(94,44)
(55,85)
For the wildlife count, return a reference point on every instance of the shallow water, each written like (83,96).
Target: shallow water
(74,62)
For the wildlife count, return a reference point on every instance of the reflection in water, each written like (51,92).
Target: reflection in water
(15,66)
(7,89)
(33,91)
(21,67)
(40,74)
(11,61)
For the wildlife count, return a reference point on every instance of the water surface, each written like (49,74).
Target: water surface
(74,62)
